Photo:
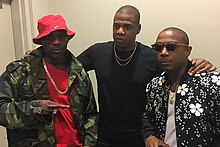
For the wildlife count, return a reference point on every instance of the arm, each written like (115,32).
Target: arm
(18,106)
(210,85)
(148,127)
(86,58)
(91,115)
(214,90)
(201,65)
(153,141)
(26,54)
(218,121)
(148,131)
(147,117)
(17,111)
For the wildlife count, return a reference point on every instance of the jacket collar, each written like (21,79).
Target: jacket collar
(185,74)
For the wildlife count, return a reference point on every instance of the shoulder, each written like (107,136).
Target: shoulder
(213,77)
(146,51)
(209,81)
(16,67)
(74,63)
(101,45)
(144,47)
(156,82)
(97,50)
(14,70)
(13,66)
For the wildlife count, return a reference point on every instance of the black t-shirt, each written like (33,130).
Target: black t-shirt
(121,89)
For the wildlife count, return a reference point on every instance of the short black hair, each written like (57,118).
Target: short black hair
(132,9)
(184,36)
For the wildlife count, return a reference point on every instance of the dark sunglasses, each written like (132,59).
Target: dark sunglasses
(170,46)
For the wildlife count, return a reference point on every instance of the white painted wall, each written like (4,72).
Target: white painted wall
(92,21)
(7,49)
(6,37)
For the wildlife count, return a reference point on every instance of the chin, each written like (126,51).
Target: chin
(57,56)
(166,68)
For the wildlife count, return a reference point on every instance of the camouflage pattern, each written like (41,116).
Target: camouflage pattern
(23,84)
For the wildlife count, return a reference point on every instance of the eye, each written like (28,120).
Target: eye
(171,46)
(49,38)
(62,36)
(157,47)
(127,27)
(116,26)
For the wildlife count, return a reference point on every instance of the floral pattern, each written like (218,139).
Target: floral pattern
(161,80)
(197,106)
(182,89)
(196,109)
(216,79)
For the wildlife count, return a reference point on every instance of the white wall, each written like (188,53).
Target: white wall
(7,49)
(6,36)
(92,20)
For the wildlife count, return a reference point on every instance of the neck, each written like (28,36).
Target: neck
(175,77)
(58,63)
(125,48)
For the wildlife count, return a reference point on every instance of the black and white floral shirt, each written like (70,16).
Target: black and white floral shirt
(197,109)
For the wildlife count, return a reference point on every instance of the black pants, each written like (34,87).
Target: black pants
(129,143)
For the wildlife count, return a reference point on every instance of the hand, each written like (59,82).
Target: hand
(153,141)
(26,53)
(49,107)
(201,65)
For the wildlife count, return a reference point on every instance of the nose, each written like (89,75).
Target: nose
(56,40)
(164,51)
(120,31)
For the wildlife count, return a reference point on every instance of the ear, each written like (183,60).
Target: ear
(139,29)
(40,41)
(188,50)
(70,37)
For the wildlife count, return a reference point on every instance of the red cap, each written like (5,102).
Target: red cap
(49,24)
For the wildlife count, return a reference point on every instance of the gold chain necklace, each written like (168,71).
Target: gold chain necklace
(172,95)
(52,81)
(171,100)
(127,60)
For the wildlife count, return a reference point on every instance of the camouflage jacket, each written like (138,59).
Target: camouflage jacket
(24,83)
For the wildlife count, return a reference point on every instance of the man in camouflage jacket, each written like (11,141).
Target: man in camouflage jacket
(23,83)
(23,86)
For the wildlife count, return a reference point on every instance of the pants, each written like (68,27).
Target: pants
(135,143)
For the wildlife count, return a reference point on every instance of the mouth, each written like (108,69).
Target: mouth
(165,62)
(56,51)
(119,40)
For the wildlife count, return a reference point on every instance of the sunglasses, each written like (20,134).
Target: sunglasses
(170,46)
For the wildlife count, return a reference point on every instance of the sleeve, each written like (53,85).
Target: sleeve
(211,86)
(147,117)
(86,58)
(17,111)
(215,89)
(218,117)
(91,116)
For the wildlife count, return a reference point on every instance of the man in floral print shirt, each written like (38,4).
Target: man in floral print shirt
(182,110)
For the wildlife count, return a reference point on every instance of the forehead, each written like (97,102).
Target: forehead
(124,17)
(57,32)
(169,36)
